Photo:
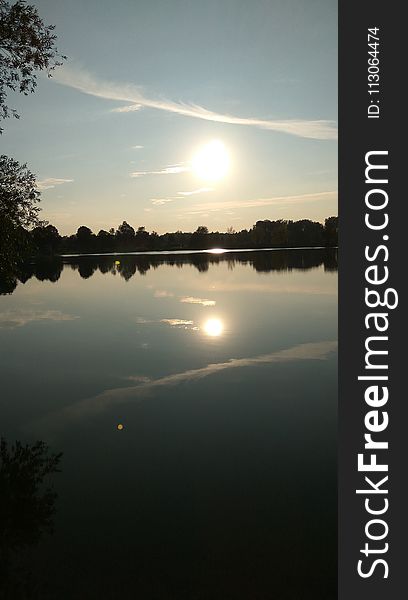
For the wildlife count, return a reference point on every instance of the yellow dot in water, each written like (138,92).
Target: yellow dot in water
(120,426)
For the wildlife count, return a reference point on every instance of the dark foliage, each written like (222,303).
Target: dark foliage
(264,234)
(27,508)
(27,46)
(19,210)
(45,245)
(18,193)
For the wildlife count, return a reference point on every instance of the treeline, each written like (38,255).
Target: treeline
(46,240)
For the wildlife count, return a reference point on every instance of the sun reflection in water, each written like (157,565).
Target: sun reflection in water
(216,250)
(213,327)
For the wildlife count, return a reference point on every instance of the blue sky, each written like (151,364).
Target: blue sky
(149,83)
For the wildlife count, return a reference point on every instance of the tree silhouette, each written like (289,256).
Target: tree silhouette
(45,243)
(125,237)
(104,241)
(142,238)
(331,227)
(49,268)
(27,46)
(19,194)
(202,230)
(27,505)
(46,239)
(19,198)
(199,238)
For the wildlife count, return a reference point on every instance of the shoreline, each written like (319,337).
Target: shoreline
(212,251)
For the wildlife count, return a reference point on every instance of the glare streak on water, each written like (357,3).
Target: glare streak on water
(208,251)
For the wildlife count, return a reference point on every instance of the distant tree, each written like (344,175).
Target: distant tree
(84,241)
(174,241)
(261,233)
(202,230)
(125,230)
(125,236)
(19,198)
(27,46)
(199,240)
(279,233)
(142,238)
(46,239)
(105,241)
(270,233)
(83,232)
(331,228)
(305,233)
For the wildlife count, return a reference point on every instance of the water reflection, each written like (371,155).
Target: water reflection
(129,265)
(192,461)
(141,387)
(27,509)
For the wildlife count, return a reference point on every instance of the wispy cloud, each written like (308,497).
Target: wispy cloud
(137,147)
(138,379)
(177,322)
(193,300)
(161,201)
(17,318)
(88,84)
(170,170)
(185,324)
(202,190)
(276,286)
(102,401)
(143,321)
(259,202)
(51,182)
(163,294)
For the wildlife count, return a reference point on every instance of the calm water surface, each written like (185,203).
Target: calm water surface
(221,372)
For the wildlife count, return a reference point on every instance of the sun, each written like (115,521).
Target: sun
(212,161)
(213,327)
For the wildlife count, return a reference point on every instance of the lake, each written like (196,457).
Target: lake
(194,399)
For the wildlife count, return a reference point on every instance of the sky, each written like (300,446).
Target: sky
(125,130)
